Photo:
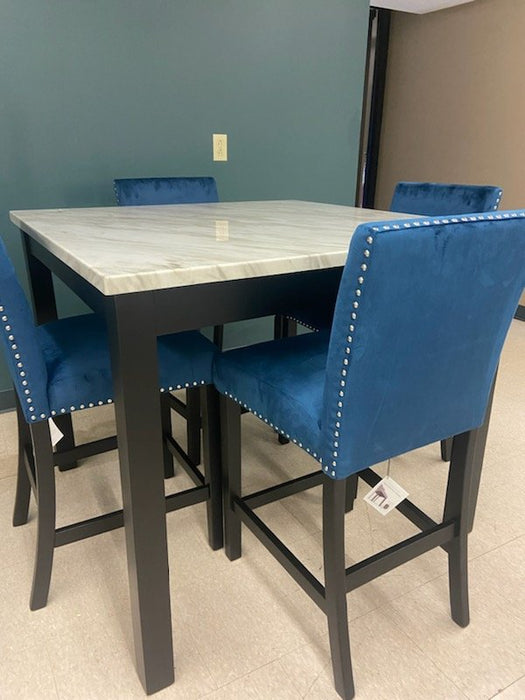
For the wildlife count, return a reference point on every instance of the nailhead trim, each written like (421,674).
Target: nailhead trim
(92,404)
(275,427)
(27,390)
(303,323)
(19,363)
(331,468)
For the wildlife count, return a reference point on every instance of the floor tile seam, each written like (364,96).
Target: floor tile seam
(213,680)
(297,521)
(315,531)
(434,663)
(203,660)
(501,690)
(324,665)
(55,684)
(245,675)
(494,549)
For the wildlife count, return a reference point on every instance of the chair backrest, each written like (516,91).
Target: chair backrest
(165,190)
(20,342)
(437,199)
(423,309)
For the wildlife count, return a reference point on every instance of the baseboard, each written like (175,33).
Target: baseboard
(520,313)
(7,400)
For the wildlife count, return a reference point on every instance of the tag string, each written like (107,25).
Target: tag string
(388,468)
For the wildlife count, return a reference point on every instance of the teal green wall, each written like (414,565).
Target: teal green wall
(90,91)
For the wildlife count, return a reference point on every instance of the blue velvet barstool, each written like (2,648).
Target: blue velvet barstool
(64,366)
(424,199)
(421,315)
(443,199)
(142,191)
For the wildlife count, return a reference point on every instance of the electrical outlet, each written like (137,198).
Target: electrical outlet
(220,147)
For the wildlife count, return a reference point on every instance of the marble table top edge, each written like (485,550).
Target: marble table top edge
(121,250)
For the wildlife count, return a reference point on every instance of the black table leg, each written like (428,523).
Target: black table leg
(133,345)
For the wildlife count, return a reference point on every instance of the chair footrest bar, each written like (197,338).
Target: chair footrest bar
(112,521)
(197,494)
(177,405)
(88,449)
(398,554)
(183,459)
(275,493)
(89,528)
(284,556)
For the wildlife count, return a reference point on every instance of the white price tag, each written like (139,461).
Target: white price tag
(386,495)
(56,433)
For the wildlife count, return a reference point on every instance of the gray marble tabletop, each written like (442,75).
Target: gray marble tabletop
(130,249)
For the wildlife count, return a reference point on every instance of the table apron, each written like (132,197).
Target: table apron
(199,305)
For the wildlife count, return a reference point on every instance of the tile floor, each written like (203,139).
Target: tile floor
(244,630)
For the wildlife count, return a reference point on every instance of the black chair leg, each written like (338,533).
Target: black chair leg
(278,321)
(65,424)
(289,328)
(446,449)
(212,464)
(334,503)
(165,416)
(458,507)
(23,485)
(231,475)
(218,336)
(193,424)
(351,491)
(458,580)
(45,497)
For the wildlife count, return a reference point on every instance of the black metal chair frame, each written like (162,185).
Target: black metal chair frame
(36,462)
(451,534)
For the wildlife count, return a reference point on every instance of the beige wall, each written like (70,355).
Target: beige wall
(455,99)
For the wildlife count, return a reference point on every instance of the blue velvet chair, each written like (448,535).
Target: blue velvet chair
(424,199)
(143,191)
(140,191)
(64,366)
(421,315)
(442,199)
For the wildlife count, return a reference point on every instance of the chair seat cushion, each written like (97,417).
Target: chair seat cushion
(76,353)
(282,382)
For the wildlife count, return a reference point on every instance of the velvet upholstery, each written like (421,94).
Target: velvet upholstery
(165,190)
(422,311)
(441,199)
(424,199)
(280,379)
(65,365)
